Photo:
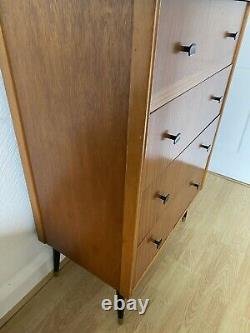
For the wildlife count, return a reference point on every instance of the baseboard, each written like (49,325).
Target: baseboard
(229,179)
(31,294)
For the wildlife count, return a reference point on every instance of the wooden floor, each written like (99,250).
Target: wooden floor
(200,283)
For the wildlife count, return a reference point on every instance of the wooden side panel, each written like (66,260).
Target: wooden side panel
(70,61)
(144,23)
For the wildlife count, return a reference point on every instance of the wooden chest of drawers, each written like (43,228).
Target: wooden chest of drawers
(115,106)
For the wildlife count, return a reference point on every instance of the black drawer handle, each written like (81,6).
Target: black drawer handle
(205,147)
(157,242)
(232,35)
(175,138)
(164,198)
(190,50)
(196,185)
(218,99)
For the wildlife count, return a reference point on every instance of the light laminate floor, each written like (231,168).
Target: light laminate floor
(200,283)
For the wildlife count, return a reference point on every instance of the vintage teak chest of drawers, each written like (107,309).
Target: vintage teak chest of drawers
(116,104)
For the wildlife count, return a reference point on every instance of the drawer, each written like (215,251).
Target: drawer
(206,24)
(187,116)
(148,249)
(176,184)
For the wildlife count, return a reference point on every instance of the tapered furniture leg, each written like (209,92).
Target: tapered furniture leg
(184,217)
(56,260)
(120,313)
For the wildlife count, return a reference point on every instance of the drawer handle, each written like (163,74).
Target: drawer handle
(175,138)
(157,242)
(196,185)
(217,98)
(205,147)
(164,198)
(231,35)
(190,50)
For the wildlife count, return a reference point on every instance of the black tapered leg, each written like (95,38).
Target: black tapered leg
(184,217)
(120,313)
(56,260)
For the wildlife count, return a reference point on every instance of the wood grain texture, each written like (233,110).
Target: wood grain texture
(199,283)
(145,15)
(158,220)
(83,74)
(186,168)
(188,115)
(236,55)
(204,23)
(72,86)
(20,135)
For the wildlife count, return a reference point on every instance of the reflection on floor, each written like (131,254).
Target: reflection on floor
(200,283)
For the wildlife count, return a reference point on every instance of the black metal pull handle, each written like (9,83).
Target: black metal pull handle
(197,185)
(157,242)
(190,50)
(207,147)
(232,35)
(164,198)
(175,138)
(218,99)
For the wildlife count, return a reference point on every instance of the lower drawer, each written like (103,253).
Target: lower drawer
(157,236)
(187,168)
(164,203)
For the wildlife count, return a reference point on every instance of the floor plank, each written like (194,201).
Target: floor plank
(200,283)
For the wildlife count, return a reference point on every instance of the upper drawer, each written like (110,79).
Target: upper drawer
(207,24)
(187,116)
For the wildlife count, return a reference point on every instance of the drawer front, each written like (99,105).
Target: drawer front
(187,116)
(148,249)
(206,24)
(176,184)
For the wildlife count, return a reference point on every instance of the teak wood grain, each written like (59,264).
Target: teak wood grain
(236,55)
(188,116)
(81,77)
(187,168)
(70,63)
(145,16)
(182,23)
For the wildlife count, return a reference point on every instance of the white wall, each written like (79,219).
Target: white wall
(24,261)
(231,156)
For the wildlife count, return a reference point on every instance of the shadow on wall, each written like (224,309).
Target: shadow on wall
(24,260)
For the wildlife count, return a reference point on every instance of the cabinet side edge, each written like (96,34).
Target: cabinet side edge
(142,58)
(18,127)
